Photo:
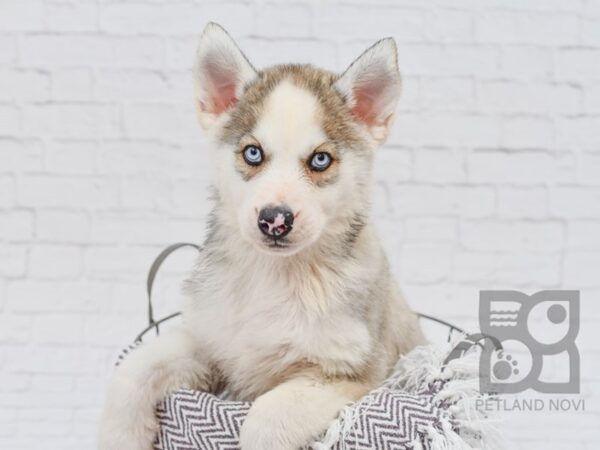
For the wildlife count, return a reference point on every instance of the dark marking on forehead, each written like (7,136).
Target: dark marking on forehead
(338,122)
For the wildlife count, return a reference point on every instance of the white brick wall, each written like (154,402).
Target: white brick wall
(491,178)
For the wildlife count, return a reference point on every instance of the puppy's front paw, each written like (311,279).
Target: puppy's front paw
(125,435)
(263,430)
(127,423)
(118,432)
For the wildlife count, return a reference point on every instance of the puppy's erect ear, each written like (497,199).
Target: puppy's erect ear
(220,73)
(371,86)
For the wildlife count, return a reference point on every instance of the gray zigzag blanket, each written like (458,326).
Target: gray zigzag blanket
(422,406)
(193,420)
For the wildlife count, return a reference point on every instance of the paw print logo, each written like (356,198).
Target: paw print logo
(505,367)
(532,329)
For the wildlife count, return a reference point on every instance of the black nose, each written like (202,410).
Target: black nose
(275,221)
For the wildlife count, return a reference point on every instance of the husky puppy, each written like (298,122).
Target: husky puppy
(291,304)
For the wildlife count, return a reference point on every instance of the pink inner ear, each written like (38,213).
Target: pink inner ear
(222,89)
(368,92)
(365,104)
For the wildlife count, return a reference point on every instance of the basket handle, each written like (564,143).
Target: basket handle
(162,256)
(153,272)
(470,341)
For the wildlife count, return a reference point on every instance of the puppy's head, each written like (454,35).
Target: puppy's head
(293,145)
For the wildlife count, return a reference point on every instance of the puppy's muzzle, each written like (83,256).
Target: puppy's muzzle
(275,221)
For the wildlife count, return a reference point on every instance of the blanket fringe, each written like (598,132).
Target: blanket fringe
(455,387)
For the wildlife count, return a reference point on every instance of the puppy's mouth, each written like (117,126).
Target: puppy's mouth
(281,246)
(274,243)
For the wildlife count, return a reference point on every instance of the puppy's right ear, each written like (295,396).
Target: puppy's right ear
(220,73)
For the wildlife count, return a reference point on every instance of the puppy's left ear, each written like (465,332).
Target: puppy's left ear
(221,71)
(371,87)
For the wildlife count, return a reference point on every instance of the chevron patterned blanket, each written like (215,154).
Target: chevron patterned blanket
(193,420)
(424,405)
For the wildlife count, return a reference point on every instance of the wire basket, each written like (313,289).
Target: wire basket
(154,324)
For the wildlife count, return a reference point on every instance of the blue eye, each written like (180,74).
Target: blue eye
(320,161)
(253,155)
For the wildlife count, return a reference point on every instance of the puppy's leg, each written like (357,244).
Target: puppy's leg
(144,378)
(295,412)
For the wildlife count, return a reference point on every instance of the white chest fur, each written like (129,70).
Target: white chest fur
(258,324)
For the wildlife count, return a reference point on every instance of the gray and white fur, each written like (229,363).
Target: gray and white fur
(291,304)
